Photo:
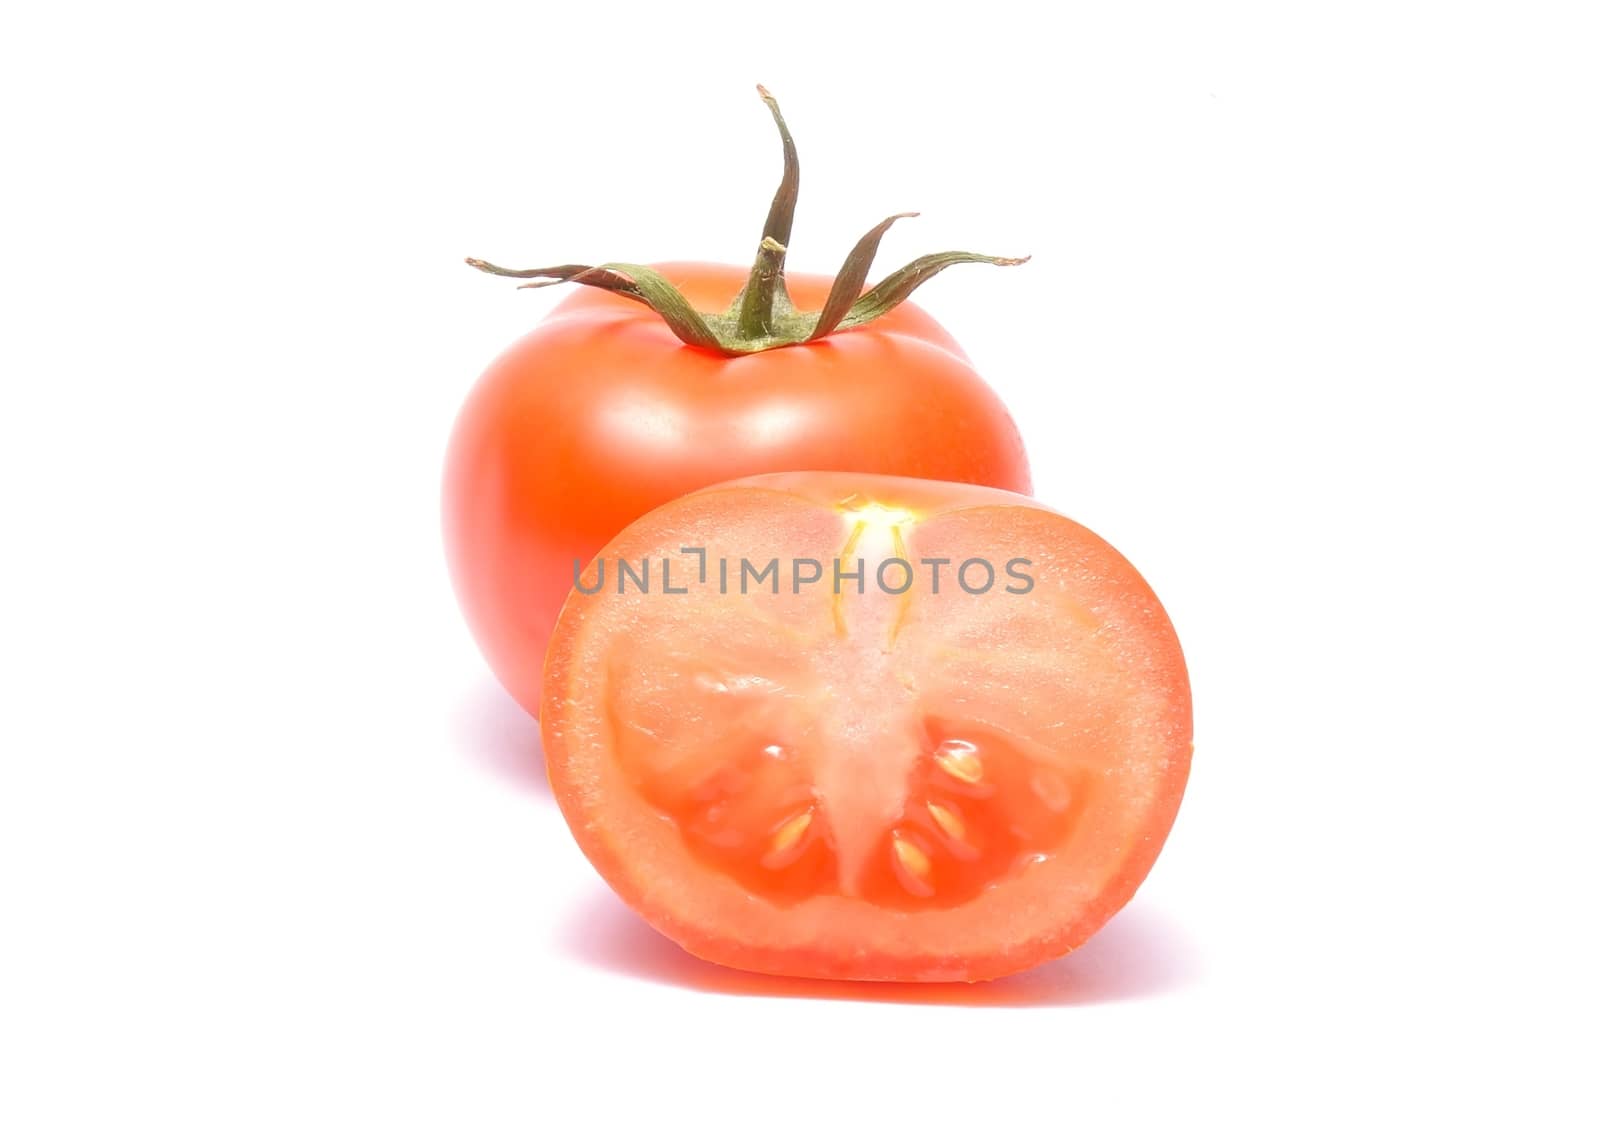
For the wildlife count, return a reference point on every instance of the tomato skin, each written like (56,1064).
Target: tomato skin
(600,414)
(1101,672)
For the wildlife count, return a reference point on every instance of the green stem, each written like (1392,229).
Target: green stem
(760,292)
(762,317)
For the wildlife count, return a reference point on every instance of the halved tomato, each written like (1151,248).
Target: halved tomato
(872,728)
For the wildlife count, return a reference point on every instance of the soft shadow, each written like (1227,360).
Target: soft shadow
(1138,954)
(503,738)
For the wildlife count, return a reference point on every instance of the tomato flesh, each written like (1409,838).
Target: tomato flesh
(867,782)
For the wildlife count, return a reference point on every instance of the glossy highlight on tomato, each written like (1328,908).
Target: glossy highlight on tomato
(929,773)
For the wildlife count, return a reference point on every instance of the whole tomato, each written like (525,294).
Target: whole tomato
(664,379)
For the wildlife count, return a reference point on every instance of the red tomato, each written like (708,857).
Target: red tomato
(601,413)
(661,380)
(955,768)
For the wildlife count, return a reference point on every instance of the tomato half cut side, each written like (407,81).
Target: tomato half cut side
(954,767)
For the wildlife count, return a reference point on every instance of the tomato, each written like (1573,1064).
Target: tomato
(601,414)
(954,768)
(664,379)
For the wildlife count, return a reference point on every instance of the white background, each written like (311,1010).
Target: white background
(1309,333)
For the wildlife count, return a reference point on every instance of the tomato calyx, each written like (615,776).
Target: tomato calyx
(762,316)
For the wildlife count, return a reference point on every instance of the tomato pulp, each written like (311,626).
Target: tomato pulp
(601,414)
(955,767)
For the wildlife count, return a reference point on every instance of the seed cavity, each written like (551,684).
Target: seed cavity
(948,820)
(960,760)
